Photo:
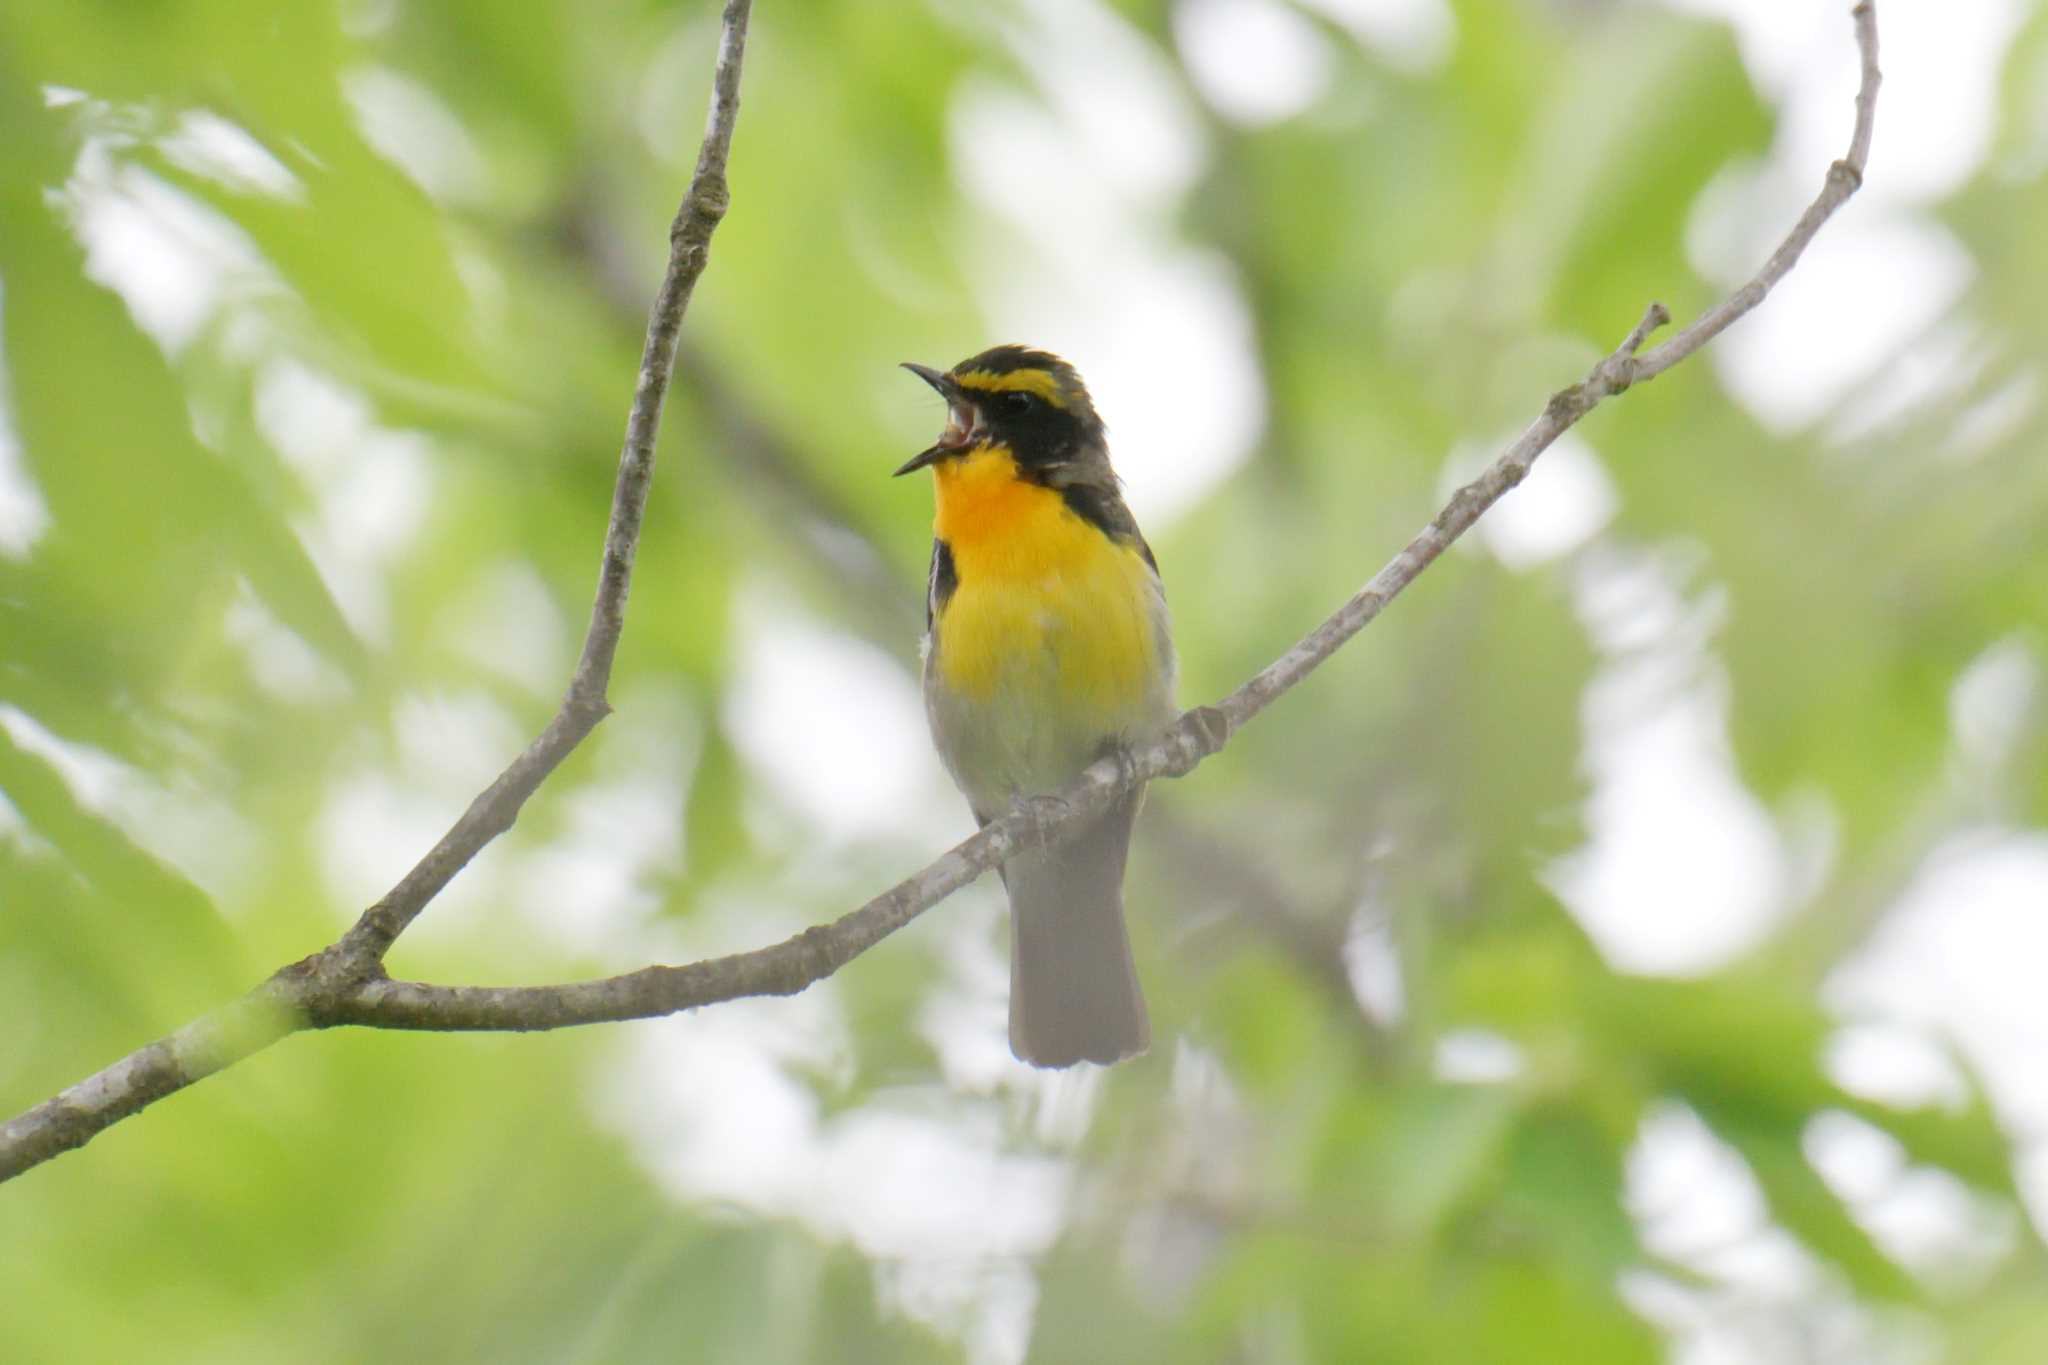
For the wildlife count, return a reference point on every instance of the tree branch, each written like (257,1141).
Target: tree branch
(334,987)
(1844,178)
(276,1007)
(492,813)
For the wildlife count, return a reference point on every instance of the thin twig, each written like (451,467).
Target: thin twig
(491,814)
(324,990)
(1844,178)
(797,962)
(276,1008)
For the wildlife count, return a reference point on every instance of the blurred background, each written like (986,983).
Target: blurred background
(1628,950)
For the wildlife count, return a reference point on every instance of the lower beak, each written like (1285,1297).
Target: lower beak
(917,462)
(949,391)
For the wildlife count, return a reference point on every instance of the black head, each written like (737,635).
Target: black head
(1030,401)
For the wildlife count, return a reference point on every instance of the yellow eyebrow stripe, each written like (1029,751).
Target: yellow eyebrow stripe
(1015,381)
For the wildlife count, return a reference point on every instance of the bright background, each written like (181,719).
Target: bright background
(1628,951)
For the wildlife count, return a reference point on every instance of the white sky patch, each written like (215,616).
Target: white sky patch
(834,726)
(312,419)
(207,144)
(373,486)
(1995,704)
(585,888)
(171,258)
(1863,292)
(1257,62)
(989,1310)
(1941,366)
(1372,962)
(376,822)
(1697,1203)
(414,130)
(1117,97)
(709,1108)
(372,828)
(1959,956)
(24,516)
(1923,1218)
(1766,1326)
(1882,272)
(589,887)
(97,779)
(189,828)
(1939,106)
(588,890)
(1475,1056)
(454,743)
(1893,1064)
(508,624)
(967,1019)
(1683,868)
(1566,501)
(940,1192)
(1089,179)
(369,511)
(280,661)
(1414,35)
(928,1191)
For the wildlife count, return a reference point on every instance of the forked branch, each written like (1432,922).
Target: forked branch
(346,984)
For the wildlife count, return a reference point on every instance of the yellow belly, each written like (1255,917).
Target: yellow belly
(1053,643)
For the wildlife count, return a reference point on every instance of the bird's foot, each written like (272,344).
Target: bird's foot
(1041,814)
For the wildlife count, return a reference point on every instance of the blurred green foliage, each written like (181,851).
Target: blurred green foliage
(205,656)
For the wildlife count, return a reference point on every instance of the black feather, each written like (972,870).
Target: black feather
(944,578)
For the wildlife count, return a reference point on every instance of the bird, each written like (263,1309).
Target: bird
(1047,646)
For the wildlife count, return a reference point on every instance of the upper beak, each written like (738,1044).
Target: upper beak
(949,391)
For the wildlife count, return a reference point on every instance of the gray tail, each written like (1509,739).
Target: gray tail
(1074,993)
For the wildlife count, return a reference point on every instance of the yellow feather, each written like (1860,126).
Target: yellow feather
(1045,385)
(1045,601)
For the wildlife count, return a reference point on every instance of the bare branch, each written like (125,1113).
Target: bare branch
(787,967)
(1844,178)
(492,813)
(80,1112)
(344,985)
(228,1035)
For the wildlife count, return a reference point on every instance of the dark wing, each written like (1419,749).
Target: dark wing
(1101,506)
(939,586)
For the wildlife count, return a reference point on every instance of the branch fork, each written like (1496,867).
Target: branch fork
(346,983)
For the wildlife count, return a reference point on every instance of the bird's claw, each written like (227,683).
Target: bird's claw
(1126,760)
(1039,814)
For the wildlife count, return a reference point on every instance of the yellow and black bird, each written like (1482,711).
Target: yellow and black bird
(1047,647)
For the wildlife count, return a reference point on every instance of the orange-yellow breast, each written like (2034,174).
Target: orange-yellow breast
(1054,638)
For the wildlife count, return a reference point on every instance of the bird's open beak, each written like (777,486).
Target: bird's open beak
(963,420)
(946,387)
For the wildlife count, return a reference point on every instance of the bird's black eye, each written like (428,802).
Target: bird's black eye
(1017,404)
